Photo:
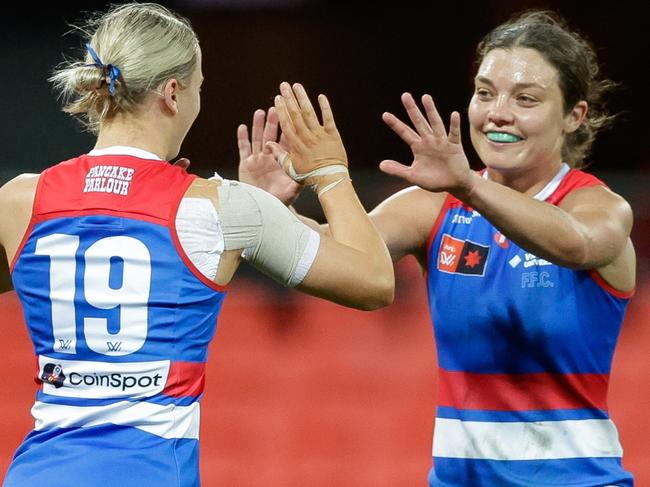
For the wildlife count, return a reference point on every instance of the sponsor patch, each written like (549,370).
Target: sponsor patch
(102,380)
(109,179)
(462,256)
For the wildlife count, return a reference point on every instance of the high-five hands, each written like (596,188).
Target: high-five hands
(257,164)
(439,162)
(316,155)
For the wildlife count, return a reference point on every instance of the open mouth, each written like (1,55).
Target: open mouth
(503,137)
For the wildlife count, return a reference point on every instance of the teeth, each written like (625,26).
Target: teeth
(503,137)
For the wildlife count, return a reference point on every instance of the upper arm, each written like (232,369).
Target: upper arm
(16,201)
(405,219)
(605,221)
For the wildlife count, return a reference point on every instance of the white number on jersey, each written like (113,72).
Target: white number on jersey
(132,297)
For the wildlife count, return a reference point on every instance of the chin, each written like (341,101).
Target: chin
(500,160)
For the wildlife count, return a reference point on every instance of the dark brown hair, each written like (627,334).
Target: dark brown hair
(575,60)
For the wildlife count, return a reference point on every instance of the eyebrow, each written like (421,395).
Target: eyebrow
(487,81)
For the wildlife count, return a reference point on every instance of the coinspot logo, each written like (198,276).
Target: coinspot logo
(102,380)
(53,374)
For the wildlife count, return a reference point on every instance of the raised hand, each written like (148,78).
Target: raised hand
(439,162)
(257,165)
(316,152)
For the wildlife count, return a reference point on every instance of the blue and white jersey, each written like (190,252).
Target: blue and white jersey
(524,349)
(120,320)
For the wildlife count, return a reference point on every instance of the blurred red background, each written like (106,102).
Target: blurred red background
(303,392)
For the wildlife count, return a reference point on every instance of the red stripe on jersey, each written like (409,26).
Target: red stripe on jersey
(522,392)
(185,379)
(608,287)
(450,202)
(574,179)
(63,187)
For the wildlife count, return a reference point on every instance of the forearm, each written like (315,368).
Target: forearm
(321,228)
(538,227)
(350,226)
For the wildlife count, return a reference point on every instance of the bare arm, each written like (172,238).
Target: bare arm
(16,200)
(352,266)
(404,220)
(589,230)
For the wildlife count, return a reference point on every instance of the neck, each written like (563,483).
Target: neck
(134,131)
(529,181)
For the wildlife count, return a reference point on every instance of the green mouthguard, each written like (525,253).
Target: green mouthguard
(502,137)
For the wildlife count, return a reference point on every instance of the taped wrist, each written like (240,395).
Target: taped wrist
(311,178)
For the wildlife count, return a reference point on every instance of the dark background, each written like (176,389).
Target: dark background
(361,55)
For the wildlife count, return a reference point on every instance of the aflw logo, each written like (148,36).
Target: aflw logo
(109,179)
(462,256)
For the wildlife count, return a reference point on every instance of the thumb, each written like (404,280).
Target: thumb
(183,163)
(394,168)
(273,148)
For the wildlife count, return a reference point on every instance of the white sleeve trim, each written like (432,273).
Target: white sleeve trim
(306,260)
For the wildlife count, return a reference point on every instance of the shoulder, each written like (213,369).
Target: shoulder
(412,198)
(599,197)
(406,219)
(22,187)
(16,201)
(412,205)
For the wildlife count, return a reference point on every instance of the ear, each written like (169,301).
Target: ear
(575,117)
(170,92)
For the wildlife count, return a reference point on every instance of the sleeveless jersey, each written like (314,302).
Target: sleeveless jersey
(524,354)
(120,320)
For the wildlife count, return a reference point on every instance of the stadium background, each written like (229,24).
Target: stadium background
(299,391)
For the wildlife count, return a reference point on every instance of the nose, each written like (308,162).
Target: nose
(499,113)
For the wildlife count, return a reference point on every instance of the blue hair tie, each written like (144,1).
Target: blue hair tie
(112,71)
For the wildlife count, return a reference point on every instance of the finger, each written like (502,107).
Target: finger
(258,128)
(415,114)
(243,142)
(271,127)
(454,128)
(293,109)
(406,133)
(395,168)
(437,126)
(281,156)
(328,116)
(285,119)
(183,163)
(308,112)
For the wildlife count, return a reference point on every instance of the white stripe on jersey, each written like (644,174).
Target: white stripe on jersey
(167,421)
(542,440)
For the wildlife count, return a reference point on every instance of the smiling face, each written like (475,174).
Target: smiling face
(516,115)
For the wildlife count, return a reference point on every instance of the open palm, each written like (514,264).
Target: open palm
(257,164)
(439,161)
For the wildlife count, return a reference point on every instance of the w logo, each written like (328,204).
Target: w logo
(113,346)
(447,259)
(64,344)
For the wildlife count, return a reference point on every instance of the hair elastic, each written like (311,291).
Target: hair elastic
(112,71)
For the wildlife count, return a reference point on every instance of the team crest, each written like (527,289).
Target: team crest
(462,256)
